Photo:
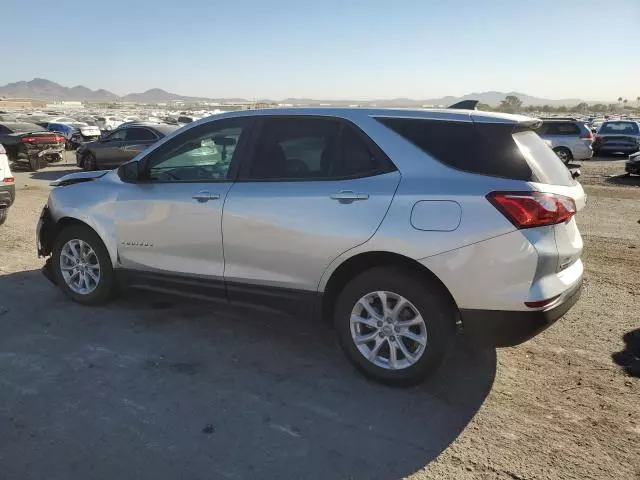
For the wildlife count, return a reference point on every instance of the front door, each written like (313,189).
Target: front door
(312,189)
(169,223)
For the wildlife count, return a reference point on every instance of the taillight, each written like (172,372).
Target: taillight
(9,180)
(43,139)
(533,209)
(588,135)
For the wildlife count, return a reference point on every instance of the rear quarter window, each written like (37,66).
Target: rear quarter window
(497,150)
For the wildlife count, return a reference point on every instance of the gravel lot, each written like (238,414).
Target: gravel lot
(166,388)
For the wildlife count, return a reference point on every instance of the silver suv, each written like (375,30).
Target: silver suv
(571,139)
(399,227)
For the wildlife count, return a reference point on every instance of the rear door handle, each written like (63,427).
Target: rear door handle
(205,196)
(346,196)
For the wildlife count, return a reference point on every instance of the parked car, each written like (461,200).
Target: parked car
(570,139)
(633,164)
(395,225)
(30,143)
(106,124)
(7,186)
(617,136)
(120,146)
(75,133)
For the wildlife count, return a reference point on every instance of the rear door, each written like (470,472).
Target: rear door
(312,189)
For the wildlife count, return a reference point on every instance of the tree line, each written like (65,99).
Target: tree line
(513,104)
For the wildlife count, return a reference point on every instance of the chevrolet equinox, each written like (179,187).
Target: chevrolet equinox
(399,227)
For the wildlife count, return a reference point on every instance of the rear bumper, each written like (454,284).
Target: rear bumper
(7,194)
(499,328)
(616,149)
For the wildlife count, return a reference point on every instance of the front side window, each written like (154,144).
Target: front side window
(203,154)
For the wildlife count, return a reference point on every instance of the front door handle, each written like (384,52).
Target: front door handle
(347,196)
(204,196)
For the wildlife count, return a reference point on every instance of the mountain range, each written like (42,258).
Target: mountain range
(43,89)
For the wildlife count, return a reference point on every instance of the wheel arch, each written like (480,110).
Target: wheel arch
(357,264)
(64,222)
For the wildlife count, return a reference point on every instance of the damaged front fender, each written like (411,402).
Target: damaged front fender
(45,233)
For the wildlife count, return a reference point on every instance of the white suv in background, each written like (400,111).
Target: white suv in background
(397,226)
(7,186)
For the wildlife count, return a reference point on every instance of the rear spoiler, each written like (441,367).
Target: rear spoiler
(465,105)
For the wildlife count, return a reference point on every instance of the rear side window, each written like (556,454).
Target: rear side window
(562,128)
(495,150)
(620,128)
(139,134)
(313,149)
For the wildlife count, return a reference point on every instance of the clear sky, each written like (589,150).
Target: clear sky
(360,49)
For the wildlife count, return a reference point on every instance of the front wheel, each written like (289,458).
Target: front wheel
(82,265)
(394,326)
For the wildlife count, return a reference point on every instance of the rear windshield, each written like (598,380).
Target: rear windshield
(24,127)
(484,148)
(622,128)
(544,163)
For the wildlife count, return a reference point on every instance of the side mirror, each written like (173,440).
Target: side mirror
(129,172)
(575,173)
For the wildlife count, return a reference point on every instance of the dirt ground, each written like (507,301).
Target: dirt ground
(165,388)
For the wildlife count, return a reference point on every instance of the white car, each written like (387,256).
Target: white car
(7,185)
(108,123)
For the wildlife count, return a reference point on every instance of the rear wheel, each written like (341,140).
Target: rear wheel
(394,326)
(82,265)
(3,215)
(36,163)
(564,154)
(89,162)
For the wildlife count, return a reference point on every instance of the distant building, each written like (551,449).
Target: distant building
(66,105)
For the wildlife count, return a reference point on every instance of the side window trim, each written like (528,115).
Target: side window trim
(195,131)
(245,168)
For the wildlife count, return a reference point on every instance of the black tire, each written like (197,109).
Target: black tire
(36,163)
(3,215)
(431,302)
(89,163)
(564,154)
(106,285)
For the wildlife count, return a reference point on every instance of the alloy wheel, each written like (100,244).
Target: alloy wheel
(80,266)
(388,330)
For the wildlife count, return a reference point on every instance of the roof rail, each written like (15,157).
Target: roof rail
(465,105)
